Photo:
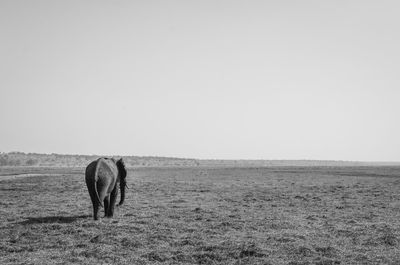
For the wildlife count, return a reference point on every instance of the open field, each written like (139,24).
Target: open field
(199,215)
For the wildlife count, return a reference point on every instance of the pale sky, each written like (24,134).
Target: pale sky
(202,79)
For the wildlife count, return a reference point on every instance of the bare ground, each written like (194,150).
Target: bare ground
(287,215)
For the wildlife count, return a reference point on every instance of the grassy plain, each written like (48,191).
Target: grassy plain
(274,215)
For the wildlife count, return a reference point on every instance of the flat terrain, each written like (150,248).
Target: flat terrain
(275,215)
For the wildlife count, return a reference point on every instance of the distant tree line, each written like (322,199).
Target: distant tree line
(5,160)
(59,160)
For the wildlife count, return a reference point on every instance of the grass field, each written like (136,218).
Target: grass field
(277,215)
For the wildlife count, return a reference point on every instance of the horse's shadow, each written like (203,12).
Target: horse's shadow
(52,219)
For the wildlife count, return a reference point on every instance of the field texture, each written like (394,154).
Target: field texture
(287,215)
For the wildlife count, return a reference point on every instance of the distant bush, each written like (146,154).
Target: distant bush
(6,160)
(31,162)
(3,161)
(14,162)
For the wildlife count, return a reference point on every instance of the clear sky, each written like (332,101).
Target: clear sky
(202,79)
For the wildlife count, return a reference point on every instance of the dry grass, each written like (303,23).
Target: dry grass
(293,216)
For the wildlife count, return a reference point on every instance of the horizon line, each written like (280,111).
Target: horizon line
(191,158)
